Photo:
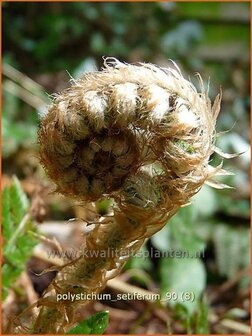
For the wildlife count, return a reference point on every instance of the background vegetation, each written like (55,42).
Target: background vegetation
(45,42)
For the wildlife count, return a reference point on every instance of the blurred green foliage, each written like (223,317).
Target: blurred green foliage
(16,132)
(194,229)
(17,242)
(60,36)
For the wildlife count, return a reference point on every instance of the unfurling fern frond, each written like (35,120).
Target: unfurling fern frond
(138,134)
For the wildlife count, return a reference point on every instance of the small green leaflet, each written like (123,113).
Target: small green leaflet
(17,242)
(94,325)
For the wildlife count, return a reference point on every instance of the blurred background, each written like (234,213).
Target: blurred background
(44,44)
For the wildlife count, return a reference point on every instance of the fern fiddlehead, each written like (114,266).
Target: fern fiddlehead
(138,134)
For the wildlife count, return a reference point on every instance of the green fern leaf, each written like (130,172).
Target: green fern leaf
(17,243)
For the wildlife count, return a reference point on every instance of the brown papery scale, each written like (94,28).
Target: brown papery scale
(139,134)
